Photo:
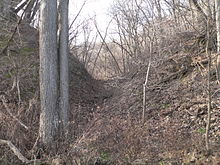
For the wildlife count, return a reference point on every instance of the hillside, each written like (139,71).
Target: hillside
(173,132)
(19,91)
(106,116)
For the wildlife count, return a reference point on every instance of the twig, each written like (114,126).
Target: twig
(15,150)
(145,84)
(144,92)
(99,51)
(19,92)
(77,15)
(107,47)
(8,110)
(208,123)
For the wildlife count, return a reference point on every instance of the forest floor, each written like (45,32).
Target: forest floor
(175,119)
(106,116)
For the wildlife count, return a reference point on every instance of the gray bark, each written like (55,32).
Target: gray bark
(48,71)
(217,5)
(63,63)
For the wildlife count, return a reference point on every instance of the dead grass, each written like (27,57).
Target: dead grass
(105,124)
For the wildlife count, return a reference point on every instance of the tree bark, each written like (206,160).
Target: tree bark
(63,63)
(48,71)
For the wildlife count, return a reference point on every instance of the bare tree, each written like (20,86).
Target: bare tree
(118,69)
(54,70)
(63,62)
(49,119)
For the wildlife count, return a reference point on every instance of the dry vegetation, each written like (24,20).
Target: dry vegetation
(106,115)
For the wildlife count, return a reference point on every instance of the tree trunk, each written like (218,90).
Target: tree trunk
(217,5)
(63,65)
(48,72)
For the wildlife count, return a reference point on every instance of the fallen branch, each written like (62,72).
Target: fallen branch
(9,112)
(15,150)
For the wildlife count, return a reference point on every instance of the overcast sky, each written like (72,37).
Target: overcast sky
(92,7)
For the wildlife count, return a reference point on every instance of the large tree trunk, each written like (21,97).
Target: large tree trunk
(63,65)
(48,71)
(217,5)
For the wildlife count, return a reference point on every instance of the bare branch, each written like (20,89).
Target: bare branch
(15,150)
(117,65)
(9,112)
(77,15)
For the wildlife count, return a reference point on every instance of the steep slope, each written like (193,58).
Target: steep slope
(19,92)
(174,126)
(106,125)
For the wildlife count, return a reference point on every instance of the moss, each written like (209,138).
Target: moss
(4,60)
(164,106)
(104,156)
(161,163)
(7,75)
(3,42)
(26,51)
(201,130)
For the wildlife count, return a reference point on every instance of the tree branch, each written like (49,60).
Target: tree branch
(15,150)
(8,110)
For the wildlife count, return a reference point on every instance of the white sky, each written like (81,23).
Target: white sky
(92,7)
